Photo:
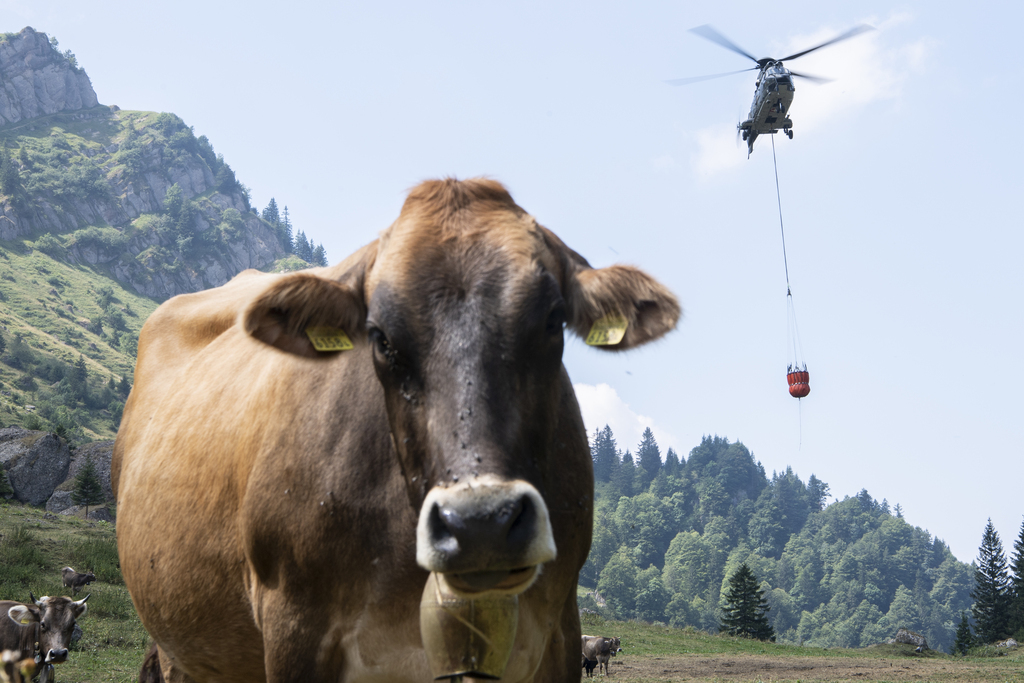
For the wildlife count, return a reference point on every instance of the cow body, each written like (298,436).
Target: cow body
(75,580)
(280,509)
(599,650)
(41,629)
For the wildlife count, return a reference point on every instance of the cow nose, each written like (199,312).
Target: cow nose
(509,527)
(57,655)
(488,525)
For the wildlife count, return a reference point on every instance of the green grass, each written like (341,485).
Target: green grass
(34,547)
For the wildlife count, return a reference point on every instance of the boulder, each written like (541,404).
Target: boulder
(100,452)
(1009,643)
(59,502)
(907,637)
(36,463)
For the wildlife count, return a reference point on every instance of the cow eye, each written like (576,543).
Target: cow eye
(380,342)
(556,321)
(43,626)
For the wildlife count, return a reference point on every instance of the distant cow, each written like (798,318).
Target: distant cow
(74,580)
(600,649)
(300,452)
(41,629)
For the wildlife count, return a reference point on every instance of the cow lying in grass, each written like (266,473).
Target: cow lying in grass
(75,580)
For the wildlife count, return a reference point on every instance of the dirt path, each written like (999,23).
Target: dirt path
(705,668)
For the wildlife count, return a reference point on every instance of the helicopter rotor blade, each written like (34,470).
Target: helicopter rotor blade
(855,31)
(812,79)
(697,79)
(714,36)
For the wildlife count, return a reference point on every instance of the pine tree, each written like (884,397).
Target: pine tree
(286,232)
(672,465)
(623,476)
(648,457)
(1017,587)
(319,256)
(746,610)
(271,214)
(88,490)
(991,591)
(604,454)
(964,640)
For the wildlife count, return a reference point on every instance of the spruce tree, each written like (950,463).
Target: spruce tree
(88,490)
(672,465)
(271,214)
(1017,587)
(964,639)
(286,232)
(604,454)
(746,610)
(648,457)
(623,477)
(991,591)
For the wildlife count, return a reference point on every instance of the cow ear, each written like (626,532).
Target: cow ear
(22,614)
(612,296)
(620,295)
(283,312)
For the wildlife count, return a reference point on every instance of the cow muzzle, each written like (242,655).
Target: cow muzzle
(486,535)
(56,656)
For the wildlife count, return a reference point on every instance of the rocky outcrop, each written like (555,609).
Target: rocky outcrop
(907,637)
(100,452)
(36,79)
(36,463)
(110,175)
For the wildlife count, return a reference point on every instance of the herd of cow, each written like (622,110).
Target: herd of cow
(301,453)
(36,635)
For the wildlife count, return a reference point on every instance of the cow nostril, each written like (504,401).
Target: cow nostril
(443,525)
(523,523)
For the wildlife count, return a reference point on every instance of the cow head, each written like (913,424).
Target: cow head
(461,305)
(56,618)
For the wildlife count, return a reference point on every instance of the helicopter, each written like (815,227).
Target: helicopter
(774,89)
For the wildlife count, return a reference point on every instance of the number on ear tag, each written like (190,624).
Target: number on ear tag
(328,338)
(608,331)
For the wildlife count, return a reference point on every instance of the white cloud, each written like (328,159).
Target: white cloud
(601,405)
(717,150)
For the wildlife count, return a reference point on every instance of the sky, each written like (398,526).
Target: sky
(900,194)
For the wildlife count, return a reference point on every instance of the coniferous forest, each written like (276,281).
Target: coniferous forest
(670,532)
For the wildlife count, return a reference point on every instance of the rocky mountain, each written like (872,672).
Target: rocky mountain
(38,80)
(104,213)
(98,180)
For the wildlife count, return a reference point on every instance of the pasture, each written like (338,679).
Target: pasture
(34,546)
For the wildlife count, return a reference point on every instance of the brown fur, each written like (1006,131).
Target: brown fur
(268,495)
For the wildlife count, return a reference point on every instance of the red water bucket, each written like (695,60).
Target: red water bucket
(798,383)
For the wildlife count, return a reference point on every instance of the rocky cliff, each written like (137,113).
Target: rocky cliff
(36,79)
(91,184)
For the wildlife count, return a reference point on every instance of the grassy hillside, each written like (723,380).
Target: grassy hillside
(60,322)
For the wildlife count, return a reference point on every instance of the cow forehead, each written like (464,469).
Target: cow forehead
(462,245)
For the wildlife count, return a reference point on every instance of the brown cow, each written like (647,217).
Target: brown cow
(280,508)
(75,580)
(41,629)
(599,649)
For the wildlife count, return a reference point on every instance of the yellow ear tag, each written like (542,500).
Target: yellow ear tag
(328,338)
(608,331)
